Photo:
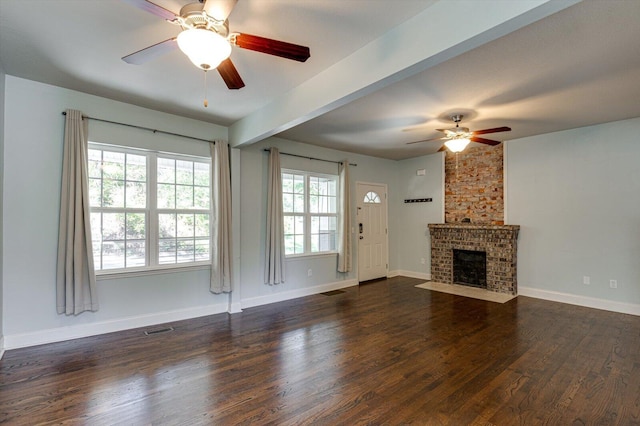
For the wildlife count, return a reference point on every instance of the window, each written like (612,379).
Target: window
(310,210)
(148,209)
(371,198)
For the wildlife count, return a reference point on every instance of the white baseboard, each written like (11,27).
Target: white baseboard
(573,299)
(411,274)
(235,308)
(294,294)
(1,346)
(85,330)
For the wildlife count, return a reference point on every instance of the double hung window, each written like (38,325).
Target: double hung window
(310,208)
(149,210)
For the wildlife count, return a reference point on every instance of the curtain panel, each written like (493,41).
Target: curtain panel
(221,218)
(76,289)
(344,221)
(274,272)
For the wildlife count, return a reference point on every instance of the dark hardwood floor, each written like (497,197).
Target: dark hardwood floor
(381,353)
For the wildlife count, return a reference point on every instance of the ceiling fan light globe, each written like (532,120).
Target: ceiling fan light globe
(205,48)
(457,145)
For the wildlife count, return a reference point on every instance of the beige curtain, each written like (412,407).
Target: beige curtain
(344,221)
(274,272)
(75,279)
(221,218)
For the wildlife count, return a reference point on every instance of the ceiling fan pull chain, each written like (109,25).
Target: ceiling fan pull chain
(206,102)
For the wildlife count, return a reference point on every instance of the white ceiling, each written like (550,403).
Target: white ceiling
(577,67)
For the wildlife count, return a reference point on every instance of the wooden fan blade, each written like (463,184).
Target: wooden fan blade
(484,141)
(219,9)
(426,140)
(494,130)
(272,47)
(230,75)
(442,148)
(147,6)
(151,52)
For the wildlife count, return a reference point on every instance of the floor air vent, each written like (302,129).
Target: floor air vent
(158,331)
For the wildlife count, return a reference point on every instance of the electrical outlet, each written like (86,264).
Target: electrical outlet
(586,280)
(309,272)
(613,283)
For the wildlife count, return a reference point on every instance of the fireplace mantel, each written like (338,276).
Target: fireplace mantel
(498,241)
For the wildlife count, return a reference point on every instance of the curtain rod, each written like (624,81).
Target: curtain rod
(310,158)
(144,128)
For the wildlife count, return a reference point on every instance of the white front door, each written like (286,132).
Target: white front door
(371,228)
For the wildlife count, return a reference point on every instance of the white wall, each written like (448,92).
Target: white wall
(411,230)
(253,220)
(576,196)
(33,136)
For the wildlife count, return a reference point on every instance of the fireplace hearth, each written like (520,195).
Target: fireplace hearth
(497,242)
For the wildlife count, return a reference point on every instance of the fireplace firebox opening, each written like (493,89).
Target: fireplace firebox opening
(470,268)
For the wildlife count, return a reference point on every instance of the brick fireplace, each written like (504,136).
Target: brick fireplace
(499,242)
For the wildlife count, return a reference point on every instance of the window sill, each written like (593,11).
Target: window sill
(160,270)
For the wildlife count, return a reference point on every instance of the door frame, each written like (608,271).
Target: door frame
(386,206)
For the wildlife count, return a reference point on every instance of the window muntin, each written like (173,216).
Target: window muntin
(372,198)
(309,202)
(148,209)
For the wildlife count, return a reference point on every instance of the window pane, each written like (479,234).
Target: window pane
(135,253)
(136,225)
(289,244)
(298,184)
(299,244)
(95,163)
(113,165)
(186,251)
(287,182)
(95,189)
(136,195)
(184,172)
(167,225)
(112,226)
(112,193)
(166,170)
(136,168)
(298,203)
(112,254)
(201,174)
(167,251)
(287,203)
(184,197)
(202,225)
(201,197)
(202,249)
(166,196)
(185,225)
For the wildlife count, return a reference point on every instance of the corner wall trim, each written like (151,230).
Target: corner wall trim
(295,293)
(61,334)
(1,346)
(574,299)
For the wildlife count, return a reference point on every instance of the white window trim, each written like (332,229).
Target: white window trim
(153,267)
(307,214)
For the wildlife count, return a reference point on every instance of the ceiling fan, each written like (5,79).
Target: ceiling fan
(206,40)
(457,138)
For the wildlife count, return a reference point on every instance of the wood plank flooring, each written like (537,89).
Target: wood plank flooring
(384,353)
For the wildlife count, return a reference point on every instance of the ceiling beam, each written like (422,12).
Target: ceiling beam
(442,31)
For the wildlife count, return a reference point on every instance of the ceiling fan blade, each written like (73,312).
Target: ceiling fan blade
(147,6)
(219,9)
(230,75)
(484,141)
(272,47)
(426,140)
(151,52)
(442,148)
(494,130)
